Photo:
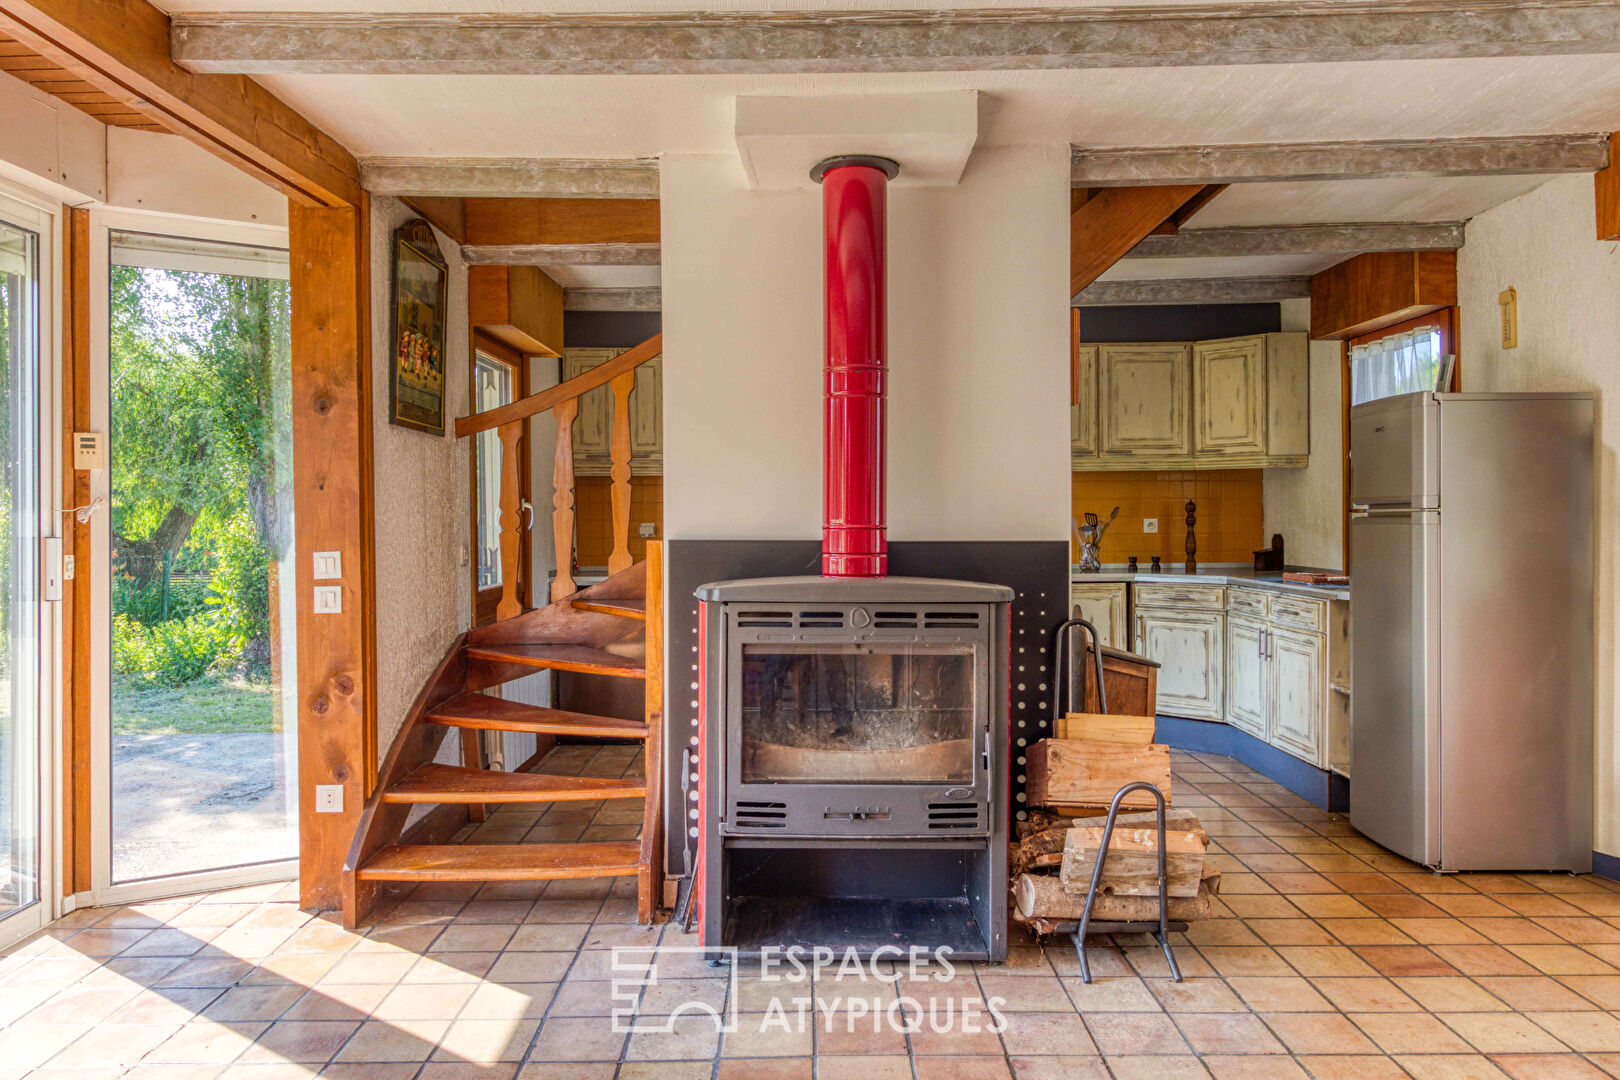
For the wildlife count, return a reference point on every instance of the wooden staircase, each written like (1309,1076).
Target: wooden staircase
(612,629)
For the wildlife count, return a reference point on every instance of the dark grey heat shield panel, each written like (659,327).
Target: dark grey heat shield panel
(1037,571)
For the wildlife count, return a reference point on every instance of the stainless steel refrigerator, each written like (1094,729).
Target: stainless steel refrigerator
(1471,568)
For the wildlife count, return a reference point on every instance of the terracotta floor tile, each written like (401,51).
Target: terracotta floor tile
(1483,960)
(872,1067)
(1245,961)
(1535,993)
(1365,932)
(963,1068)
(1514,930)
(1065,1067)
(1127,994)
(783,1069)
(1157,1067)
(1352,1067)
(1135,1033)
(1192,995)
(1313,961)
(1450,1067)
(1602,990)
(1360,994)
(1025,993)
(1262,906)
(1503,1033)
(577,1039)
(1587,1032)
(1287,993)
(762,1035)
(1254,1067)
(1319,1033)
(1410,1033)
(301,1041)
(1548,1067)
(1227,1033)
(1394,960)
(1291,932)
(1450,993)
(1402,906)
(1560,959)
(1332,906)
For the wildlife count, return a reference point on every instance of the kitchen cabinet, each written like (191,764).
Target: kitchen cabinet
(1248,687)
(593,427)
(1299,692)
(1228,403)
(1083,412)
(1188,639)
(1143,393)
(1102,604)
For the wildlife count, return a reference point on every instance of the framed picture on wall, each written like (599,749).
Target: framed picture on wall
(416,367)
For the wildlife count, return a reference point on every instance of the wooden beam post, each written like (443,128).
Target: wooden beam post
(332,498)
(1606,186)
(121,47)
(76,601)
(1113,221)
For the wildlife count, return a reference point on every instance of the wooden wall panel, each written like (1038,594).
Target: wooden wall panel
(561,221)
(75,643)
(1380,288)
(1606,188)
(332,481)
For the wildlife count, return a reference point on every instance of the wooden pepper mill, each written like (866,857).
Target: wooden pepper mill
(1192,541)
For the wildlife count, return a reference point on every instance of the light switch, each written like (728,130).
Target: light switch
(329,798)
(328,565)
(328,599)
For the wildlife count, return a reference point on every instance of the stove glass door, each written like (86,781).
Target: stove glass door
(868,713)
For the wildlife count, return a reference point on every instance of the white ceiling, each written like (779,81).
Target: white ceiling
(603,277)
(1234,266)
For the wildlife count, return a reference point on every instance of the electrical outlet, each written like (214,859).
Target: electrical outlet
(648,529)
(328,599)
(329,798)
(1150,525)
(328,565)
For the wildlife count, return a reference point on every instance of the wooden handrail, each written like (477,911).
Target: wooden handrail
(550,398)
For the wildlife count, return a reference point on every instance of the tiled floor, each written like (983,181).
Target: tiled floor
(1333,959)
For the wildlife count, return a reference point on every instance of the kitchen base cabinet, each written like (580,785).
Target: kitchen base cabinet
(1248,689)
(1299,689)
(1102,604)
(1190,646)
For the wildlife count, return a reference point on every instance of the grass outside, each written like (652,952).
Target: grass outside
(210,706)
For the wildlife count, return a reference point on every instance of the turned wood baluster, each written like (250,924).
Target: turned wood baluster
(621,386)
(511,436)
(562,499)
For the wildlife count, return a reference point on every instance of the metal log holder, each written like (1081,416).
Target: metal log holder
(1063,649)
(1161,929)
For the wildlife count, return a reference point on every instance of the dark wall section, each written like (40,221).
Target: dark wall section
(1181,322)
(609,329)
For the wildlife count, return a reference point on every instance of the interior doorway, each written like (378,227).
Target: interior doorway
(193,669)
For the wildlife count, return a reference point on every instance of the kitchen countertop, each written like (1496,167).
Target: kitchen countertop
(1216,574)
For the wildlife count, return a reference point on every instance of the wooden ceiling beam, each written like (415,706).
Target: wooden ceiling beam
(1345,238)
(504,222)
(561,255)
(639,298)
(795,42)
(1112,222)
(1375,159)
(121,47)
(1235,290)
(542,178)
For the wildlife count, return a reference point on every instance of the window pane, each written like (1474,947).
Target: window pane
(19,570)
(492,387)
(203,692)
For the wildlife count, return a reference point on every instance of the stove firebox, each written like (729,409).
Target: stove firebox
(854,781)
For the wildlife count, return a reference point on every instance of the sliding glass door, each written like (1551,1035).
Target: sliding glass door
(24,236)
(197,684)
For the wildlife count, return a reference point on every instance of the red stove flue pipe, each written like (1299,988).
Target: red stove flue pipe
(854,537)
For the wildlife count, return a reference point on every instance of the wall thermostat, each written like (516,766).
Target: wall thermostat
(89,450)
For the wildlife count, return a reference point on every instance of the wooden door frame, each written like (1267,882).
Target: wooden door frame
(484,601)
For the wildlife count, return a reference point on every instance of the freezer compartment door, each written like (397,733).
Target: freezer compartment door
(1394,682)
(1395,452)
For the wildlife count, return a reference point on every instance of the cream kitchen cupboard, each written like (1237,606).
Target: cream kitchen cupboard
(1231,403)
(1102,604)
(1299,693)
(1185,631)
(1277,664)
(1248,686)
(593,428)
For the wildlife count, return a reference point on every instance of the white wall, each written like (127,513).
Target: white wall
(1307,505)
(147,170)
(978,353)
(424,585)
(1569,339)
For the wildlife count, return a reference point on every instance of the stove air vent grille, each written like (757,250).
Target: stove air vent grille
(954,815)
(761,815)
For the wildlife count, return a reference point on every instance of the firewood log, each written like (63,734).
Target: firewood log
(1041,896)
(1132,865)
(1067,774)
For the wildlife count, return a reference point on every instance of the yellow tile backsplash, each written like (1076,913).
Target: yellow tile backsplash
(1229,526)
(593,516)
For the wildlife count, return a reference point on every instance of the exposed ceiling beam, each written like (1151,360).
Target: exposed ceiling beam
(506,222)
(1109,223)
(121,48)
(1237,290)
(1350,239)
(783,42)
(641,298)
(560,255)
(512,177)
(1123,166)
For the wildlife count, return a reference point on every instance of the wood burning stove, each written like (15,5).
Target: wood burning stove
(854,783)
(853,754)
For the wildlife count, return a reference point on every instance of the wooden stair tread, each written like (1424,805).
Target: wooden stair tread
(502,862)
(580,658)
(629,609)
(434,783)
(486,712)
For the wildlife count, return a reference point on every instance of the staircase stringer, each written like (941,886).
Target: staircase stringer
(417,743)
